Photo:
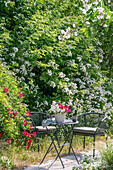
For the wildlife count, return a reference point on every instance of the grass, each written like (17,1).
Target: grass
(21,157)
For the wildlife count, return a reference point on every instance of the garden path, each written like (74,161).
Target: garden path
(69,162)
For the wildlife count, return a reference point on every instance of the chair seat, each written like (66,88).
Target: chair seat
(43,129)
(87,130)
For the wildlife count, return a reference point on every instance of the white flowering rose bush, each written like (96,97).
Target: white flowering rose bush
(61,51)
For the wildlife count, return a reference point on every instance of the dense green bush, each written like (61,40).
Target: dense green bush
(60,50)
(13,111)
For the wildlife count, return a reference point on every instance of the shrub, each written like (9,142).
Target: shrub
(107,158)
(13,111)
(104,162)
(58,52)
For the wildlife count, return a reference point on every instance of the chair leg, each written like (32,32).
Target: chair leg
(38,146)
(94,147)
(106,141)
(84,143)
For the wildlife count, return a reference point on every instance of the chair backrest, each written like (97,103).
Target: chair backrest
(103,123)
(38,117)
(91,119)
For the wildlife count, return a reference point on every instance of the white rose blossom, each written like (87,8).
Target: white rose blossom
(69,54)
(52,84)
(49,72)
(61,75)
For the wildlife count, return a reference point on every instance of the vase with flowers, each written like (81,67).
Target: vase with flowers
(59,111)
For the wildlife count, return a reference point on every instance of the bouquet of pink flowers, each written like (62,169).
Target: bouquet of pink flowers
(59,108)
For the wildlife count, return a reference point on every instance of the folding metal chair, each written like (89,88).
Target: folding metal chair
(36,119)
(91,124)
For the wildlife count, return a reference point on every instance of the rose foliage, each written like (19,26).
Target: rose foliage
(14,114)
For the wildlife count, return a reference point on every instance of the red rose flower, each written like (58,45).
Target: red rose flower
(28,113)
(25,133)
(6,90)
(29,135)
(31,127)
(21,94)
(34,134)
(8,141)
(25,122)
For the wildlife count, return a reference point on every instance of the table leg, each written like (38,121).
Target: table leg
(58,155)
(67,139)
(67,136)
(71,142)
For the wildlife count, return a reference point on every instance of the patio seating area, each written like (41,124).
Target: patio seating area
(88,124)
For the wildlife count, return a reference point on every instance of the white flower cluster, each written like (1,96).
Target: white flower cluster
(55,108)
(53,64)
(61,75)
(67,34)
(101,11)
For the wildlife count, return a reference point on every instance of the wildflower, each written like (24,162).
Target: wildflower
(25,122)
(21,94)
(34,134)
(25,133)
(6,90)
(0,135)
(28,113)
